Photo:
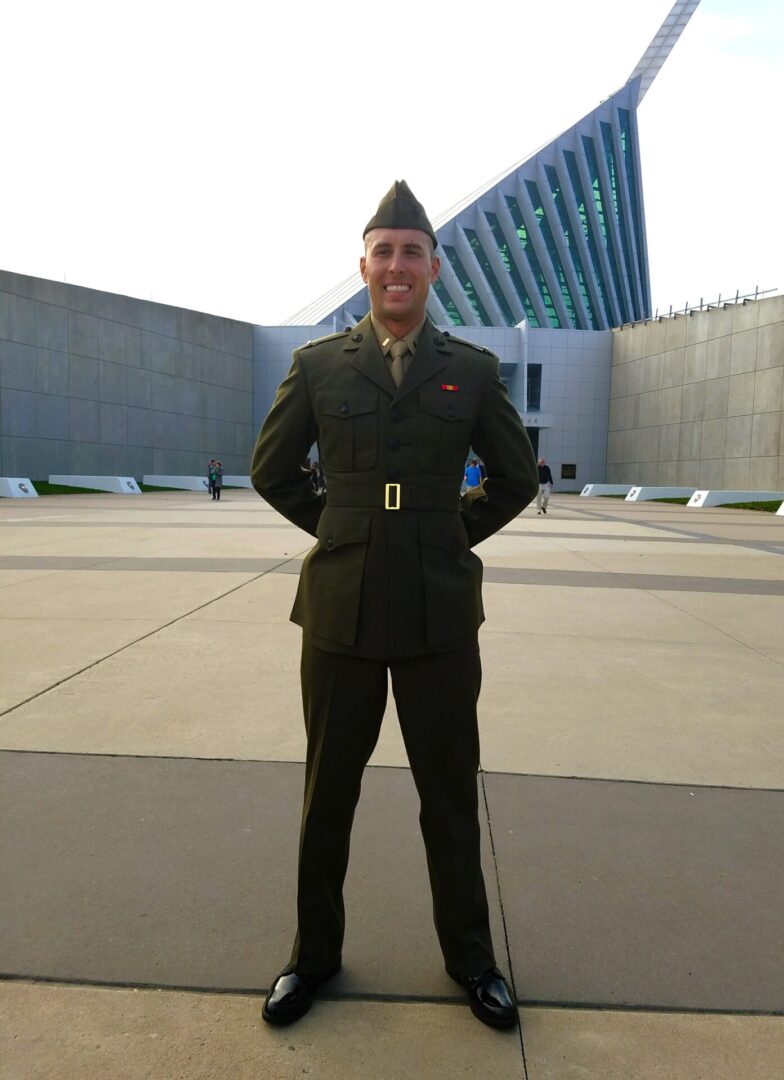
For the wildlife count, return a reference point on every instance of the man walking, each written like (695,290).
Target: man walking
(545,483)
(392,587)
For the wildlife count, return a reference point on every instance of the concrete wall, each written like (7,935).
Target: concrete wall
(697,400)
(576,367)
(95,383)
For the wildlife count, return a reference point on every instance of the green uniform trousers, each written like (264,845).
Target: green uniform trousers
(344,698)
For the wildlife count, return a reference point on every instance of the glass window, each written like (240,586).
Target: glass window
(533,261)
(509,263)
(442,293)
(552,250)
(620,211)
(468,286)
(533,386)
(585,221)
(571,242)
(481,257)
(599,201)
(627,149)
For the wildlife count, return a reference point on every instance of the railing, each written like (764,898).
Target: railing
(689,309)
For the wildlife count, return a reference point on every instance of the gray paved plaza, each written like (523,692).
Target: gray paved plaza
(152,749)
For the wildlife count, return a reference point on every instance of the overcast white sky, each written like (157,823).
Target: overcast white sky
(226,156)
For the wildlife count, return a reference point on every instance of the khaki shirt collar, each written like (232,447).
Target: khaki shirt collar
(386,339)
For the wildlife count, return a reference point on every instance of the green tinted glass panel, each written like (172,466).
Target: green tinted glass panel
(442,293)
(616,187)
(552,251)
(600,202)
(468,286)
(509,263)
(492,280)
(572,244)
(590,239)
(533,261)
(627,149)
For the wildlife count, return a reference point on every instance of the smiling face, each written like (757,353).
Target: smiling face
(398,268)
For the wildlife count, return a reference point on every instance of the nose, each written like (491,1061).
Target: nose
(396,262)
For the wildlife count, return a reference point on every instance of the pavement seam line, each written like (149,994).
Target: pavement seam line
(397,999)
(717,629)
(157,630)
(503,914)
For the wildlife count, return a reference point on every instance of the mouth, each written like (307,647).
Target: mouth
(397,288)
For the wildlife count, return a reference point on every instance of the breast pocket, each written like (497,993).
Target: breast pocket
(348,430)
(444,430)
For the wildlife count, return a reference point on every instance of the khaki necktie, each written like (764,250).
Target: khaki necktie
(396,368)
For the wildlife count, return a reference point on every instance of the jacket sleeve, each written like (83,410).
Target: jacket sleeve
(284,441)
(502,442)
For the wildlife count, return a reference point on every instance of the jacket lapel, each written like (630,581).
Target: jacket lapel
(431,355)
(366,356)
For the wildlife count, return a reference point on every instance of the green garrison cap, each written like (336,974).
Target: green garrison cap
(400,209)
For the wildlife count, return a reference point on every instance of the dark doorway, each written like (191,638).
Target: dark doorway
(533,435)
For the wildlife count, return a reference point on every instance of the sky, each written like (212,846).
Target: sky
(226,156)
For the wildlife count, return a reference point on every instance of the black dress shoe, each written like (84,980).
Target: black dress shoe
(291,995)
(489,997)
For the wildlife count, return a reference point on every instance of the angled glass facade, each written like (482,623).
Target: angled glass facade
(559,241)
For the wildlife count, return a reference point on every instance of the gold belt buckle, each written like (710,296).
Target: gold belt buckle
(392,491)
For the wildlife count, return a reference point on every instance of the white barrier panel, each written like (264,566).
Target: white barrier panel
(643,494)
(238,481)
(120,485)
(606,489)
(182,483)
(17,487)
(721,498)
(780,511)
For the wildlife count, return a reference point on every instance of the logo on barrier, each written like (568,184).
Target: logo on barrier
(24,488)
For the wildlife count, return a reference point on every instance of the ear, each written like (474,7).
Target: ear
(363,268)
(435,268)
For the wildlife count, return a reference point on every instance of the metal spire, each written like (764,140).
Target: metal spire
(662,45)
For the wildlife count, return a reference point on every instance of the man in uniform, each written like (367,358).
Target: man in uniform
(392,586)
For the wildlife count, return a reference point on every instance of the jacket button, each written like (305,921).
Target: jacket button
(330,542)
(394,443)
(357,338)
(344,409)
(438,341)
(394,415)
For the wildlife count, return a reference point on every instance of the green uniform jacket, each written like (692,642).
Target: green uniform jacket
(390,583)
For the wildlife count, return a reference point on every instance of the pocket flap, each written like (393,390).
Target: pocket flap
(336,528)
(447,404)
(351,403)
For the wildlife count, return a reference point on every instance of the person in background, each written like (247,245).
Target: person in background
(210,477)
(217,480)
(473,475)
(545,483)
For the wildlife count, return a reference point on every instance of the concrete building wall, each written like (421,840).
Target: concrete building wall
(697,400)
(576,367)
(96,383)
